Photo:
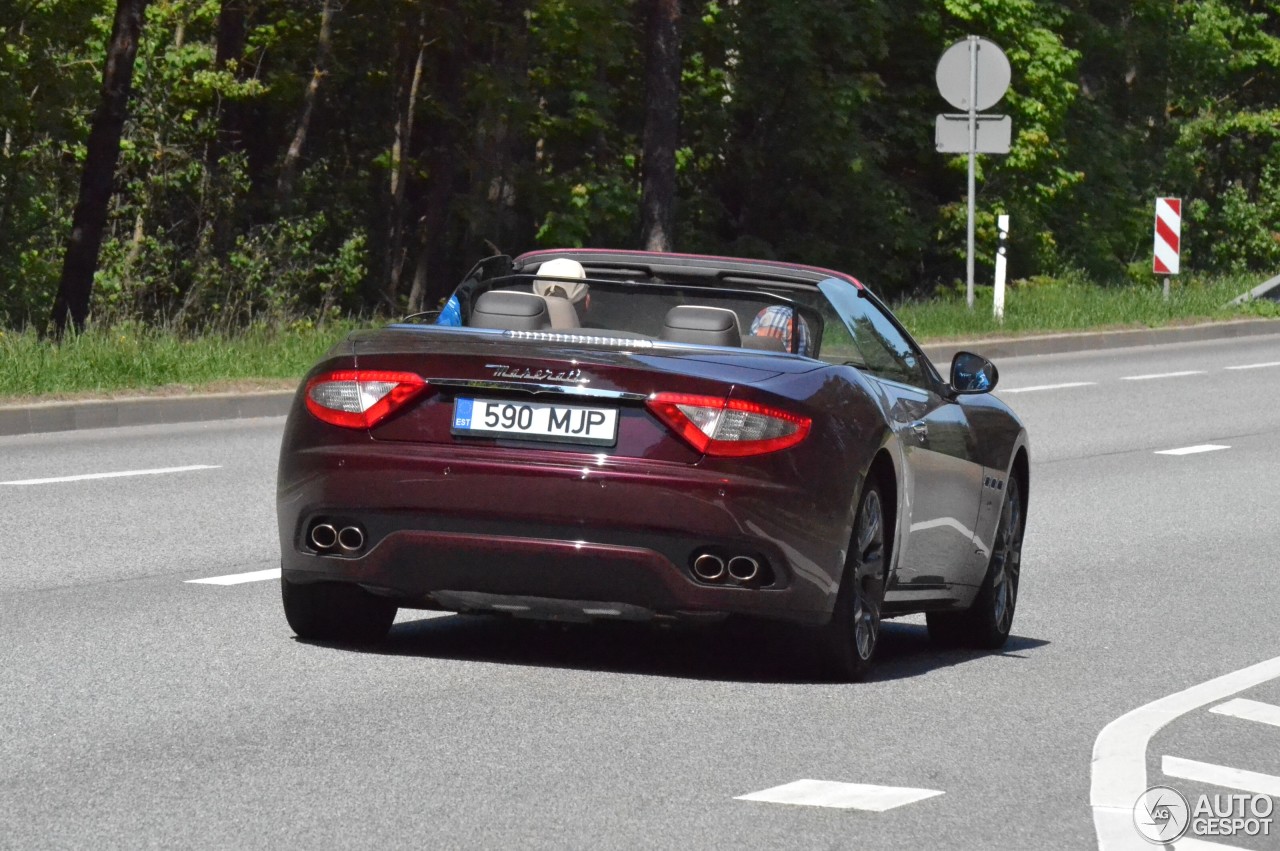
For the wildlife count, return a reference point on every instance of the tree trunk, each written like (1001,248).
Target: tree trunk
(230,117)
(661,125)
(401,151)
(428,280)
(232,32)
(96,181)
(289,169)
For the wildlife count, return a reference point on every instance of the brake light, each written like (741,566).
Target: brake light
(360,398)
(729,427)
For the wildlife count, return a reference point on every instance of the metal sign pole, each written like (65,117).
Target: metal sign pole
(973,75)
(973,159)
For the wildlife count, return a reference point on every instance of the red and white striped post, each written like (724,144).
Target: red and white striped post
(1168,239)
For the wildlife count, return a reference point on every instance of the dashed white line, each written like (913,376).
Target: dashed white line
(1254,365)
(844,796)
(1193,450)
(1250,710)
(119,475)
(1163,375)
(1221,775)
(238,578)
(1065,386)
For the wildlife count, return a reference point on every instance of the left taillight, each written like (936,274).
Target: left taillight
(360,398)
(729,427)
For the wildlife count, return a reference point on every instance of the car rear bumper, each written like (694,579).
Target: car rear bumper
(460,531)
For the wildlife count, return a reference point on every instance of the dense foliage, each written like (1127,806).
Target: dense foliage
(316,158)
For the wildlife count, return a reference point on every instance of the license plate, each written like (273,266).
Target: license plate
(535,421)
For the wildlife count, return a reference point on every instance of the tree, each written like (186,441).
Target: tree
(324,47)
(661,124)
(98,176)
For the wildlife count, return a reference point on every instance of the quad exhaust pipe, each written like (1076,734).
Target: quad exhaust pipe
(351,538)
(325,537)
(744,568)
(708,567)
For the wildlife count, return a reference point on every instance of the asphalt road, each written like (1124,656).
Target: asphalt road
(138,709)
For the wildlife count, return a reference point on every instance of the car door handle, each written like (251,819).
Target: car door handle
(919,428)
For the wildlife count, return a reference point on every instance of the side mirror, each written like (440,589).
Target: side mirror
(972,373)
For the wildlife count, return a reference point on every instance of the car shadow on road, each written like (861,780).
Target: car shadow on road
(732,651)
(905,651)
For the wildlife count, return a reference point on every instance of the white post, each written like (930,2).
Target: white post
(973,157)
(1003,222)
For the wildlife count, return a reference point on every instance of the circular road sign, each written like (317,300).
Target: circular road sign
(994,74)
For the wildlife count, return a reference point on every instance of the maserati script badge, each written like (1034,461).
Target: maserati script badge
(568,376)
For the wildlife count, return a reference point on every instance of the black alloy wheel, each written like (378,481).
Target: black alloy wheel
(848,643)
(986,623)
(336,612)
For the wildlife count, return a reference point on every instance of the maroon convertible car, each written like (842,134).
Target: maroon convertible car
(613,435)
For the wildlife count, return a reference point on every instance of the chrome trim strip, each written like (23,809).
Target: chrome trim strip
(529,387)
(552,337)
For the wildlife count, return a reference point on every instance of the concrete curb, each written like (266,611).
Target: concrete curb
(1051,344)
(144,410)
(154,410)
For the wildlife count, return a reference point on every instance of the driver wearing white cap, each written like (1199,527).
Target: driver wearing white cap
(560,282)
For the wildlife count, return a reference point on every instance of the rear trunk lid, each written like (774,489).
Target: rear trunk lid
(485,387)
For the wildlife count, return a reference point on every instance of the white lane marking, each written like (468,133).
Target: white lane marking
(1221,775)
(1193,450)
(1119,771)
(1048,387)
(844,796)
(1254,365)
(1250,710)
(238,578)
(1162,375)
(120,475)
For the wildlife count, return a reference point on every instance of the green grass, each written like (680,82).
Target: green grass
(1075,306)
(131,358)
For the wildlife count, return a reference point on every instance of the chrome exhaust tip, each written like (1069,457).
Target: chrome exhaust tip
(708,567)
(323,536)
(744,568)
(351,538)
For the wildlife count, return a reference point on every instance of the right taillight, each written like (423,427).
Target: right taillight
(729,427)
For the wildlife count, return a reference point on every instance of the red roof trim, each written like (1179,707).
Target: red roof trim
(632,253)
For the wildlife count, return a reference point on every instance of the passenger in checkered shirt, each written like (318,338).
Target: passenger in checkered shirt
(777,321)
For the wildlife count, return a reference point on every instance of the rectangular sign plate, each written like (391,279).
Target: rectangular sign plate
(535,421)
(995,134)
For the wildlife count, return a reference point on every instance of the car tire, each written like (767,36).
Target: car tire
(986,623)
(848,643)
(337,612)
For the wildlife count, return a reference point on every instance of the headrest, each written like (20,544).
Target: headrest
(510,311)
(561,267)
(709,326)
